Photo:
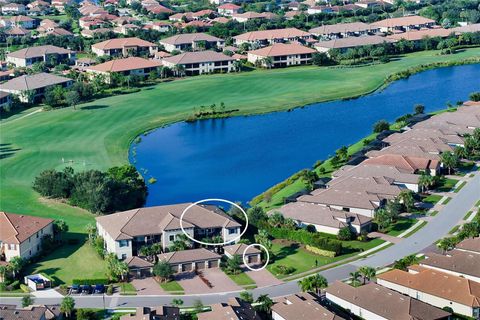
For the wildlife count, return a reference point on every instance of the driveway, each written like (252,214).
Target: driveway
(193,284)
(263,278)
(147,286)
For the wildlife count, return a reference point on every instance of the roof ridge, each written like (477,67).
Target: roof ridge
(11,224)
(133,215)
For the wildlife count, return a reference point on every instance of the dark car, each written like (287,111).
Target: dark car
(75,288)
(99,288)
(86,289)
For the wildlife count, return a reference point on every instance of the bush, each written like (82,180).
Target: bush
(307,238)
(475,96)
(86,314)
(320,252)
(14,285)
(345,234)
(109,290)
(25,288)
(90,281)
(282,269)
(380,126)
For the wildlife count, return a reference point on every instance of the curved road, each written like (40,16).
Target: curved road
(437,228)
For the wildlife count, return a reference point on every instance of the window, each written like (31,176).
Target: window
(171,237)
(232,231)
(123,243)
(124,256)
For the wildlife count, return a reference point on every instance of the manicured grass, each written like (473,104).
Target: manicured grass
(242,279)
(400,226)
(172,286)
(433,199)
(98,134)
(433,213)
(127,288)
(446,184)
(454,229)
(447,200)
(467,215)
(460,186)
(70,262)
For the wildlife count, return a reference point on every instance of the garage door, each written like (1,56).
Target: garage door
(213,264)
(187,267)
(200,265)
(252,259)
(175,267)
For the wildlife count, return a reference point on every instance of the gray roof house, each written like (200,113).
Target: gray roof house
(126,232)
(191,41)
(28,56)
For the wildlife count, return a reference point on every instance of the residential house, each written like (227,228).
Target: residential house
(407,163)
(34,312)
(191,260)
(48,54)
(139,267)
(20,22)
(372,301)
(360,195)
(343,44)
(154,313)
(125,28)
(268,37)
(234,309)
(17,32)
(131,66)
(60,4)
(417,36)
(281,55)
(301,306)
(247,16)
(319,9)
(252,254)
(5,99)
(22,235)
(31,88)
(470,245)
(452,140)
(229,9)
(13,8)
(436,288)
(124,47)
(200,62)
(464,120)
(456,262)
(323,218)
(404,23)
(469,28)
(343,30)
(400,177)
(126,232)
(191,42)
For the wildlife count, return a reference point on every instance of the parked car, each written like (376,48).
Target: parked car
(75,289)
(99,288)
(86,289)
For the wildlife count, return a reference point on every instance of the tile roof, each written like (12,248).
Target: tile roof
(154,313)
(235,309)
(409,150)
(198,57)
(407,163)
(34,81)
(186,38)
(470,244)
(403,21)
(351,42)
(239,249)
(38,51)
(375,170)
(287,33)
(122,43)
(119,65)
(302,306)
(455,261)
(31,313)
(436,283)
(137,262)
(342,28)
(468,28)
(385,302)
(152,220)
(320,215)
(16,228)
(185,256)
(417,133)
(420,34)
(282,49)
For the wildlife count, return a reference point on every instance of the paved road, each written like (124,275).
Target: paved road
(443,222)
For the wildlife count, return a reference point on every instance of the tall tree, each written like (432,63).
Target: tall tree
(368,273)
(67,306)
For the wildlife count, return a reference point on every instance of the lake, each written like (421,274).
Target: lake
(240,157)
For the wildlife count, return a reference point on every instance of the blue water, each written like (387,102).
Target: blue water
(240,157)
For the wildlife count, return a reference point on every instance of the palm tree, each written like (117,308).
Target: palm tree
(177,302)
(67,306)
(267,62)
(368,273)
(406,198)
(313,283)
(237,65)
(449,160)
(425,181)
(446,244)
(179,70)
(15,265)
(122,269)
(306,284)
(460,152)
(354,278)
(264,303)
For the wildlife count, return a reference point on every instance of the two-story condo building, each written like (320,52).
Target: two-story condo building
(124,47)
(281,55)
(191,41)
(267,37)
(126,232)
(48,54)
(200,62)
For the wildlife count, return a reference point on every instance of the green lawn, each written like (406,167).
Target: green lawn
(446,184)
(447,200)
(127,288)
(171,286)
(400,226)
(242,279)
(98,134)
(433,199)
(460,187)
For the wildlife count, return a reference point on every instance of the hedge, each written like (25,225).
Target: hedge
(90,281)
(24,288)
(320,252)
(307,238)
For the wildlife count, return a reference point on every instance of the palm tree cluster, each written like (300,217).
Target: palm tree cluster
(366,273)
(313,283)
(116,268)
(150,252)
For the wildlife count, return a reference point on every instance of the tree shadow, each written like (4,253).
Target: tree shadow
(94,107)
(7,151)
(287,251)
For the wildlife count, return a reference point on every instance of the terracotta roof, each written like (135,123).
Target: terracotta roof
(470,244)
(411,164)
(34,81)
(385,303)
(186,38)
(420,34)
(282,49)
(341,28)
(17,31)
(229,6)
(193,255)
(375,170)
(137,262)
(249,15)
(239,249)
(351,42)
(403,21)
(198,57)
(302,306)
(311,213)
(235,309)
(152,220)
(122,43)
(119,65)
(436,283)
(38,51)
(288,33)
(468,28)
(16,228)
(30,313)
(410,150)
(417,133)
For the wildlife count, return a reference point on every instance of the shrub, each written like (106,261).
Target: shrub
(345,234)
(24,288)
(14,285)
(109,290)
(86,314)
(320,252)
(475,96)
(380,126)
(90,281)
(283,269)
(307,238)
